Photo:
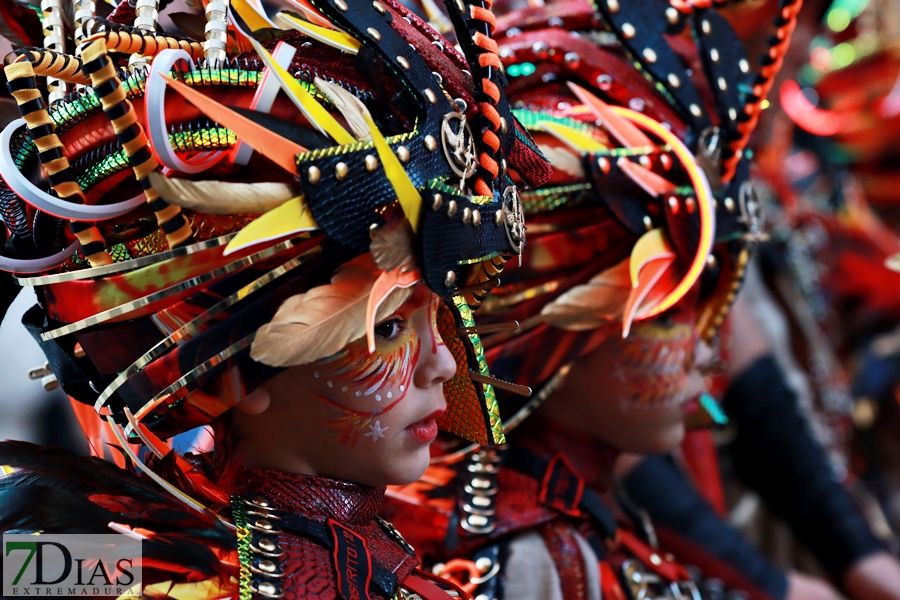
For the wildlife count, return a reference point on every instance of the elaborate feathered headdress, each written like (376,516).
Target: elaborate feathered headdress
(213,188)
(645,110)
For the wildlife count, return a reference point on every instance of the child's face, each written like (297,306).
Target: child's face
(363,417)
(633,393)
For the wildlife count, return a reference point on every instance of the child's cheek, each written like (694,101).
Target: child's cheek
(361,386)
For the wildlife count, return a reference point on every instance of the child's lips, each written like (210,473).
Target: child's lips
(425,430)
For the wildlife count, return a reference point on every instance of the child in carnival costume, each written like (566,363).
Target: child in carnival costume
(283,240)
(637,247)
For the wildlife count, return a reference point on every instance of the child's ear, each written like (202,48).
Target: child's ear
(256,403)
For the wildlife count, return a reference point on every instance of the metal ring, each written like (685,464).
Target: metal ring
(41,200)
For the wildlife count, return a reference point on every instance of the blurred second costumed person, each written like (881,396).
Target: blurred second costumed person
(637,247)
(280,239)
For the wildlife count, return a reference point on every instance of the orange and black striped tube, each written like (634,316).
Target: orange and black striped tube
(145,44)
(22,85)
(118,109)
(49,63)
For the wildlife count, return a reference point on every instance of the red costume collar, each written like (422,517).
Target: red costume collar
(345,502)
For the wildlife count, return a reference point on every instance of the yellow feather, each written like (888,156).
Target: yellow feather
(577,140)
(407,195)
(291,217)
(330,37)
(251,15)
(653,245)
(303,100)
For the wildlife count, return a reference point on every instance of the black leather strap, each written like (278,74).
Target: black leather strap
(383,581)
(529,463)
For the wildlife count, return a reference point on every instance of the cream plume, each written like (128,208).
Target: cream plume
(223,197)
(317,324)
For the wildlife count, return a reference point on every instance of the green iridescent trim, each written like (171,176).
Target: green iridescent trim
(543,200)
(472,261)
(440,184)
(635,151)
(531,120)
(490,399)
(238,77)
(107,166)
(350,148)
(243,547)
(120,253)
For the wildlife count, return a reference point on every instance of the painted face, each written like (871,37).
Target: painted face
(645,383)
(369,417)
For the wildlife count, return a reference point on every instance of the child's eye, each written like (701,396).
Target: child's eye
(390,329)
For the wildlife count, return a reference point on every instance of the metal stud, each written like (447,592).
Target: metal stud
(313,174)
(268,589)
(648,223)
(649,55)
(430,143)
(705,26)
(499,218)
(628,30)
(613,5)
(504,127)
(260,501)
(711,261)
(341,5)
(672,15)
(267,566)
(263,524)
(477,520)
(403,153)
(451,208)
(673,205)
(403,62)
(476,217)
(467,215)
(450,279)
(436,201)
(572,59)
(340,171)
(714,55)
(674,81)
(744,65)
(484,564)
(645,161)
(732,114)
(373,33)
(371,163)
(379,7)
(267,545)
(729,204)
(723,85)
(655,559)
(373,230)
(604,82)
(695,110)
(690,204)
(429,93)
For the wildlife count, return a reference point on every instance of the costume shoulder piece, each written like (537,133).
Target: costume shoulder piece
(197,214)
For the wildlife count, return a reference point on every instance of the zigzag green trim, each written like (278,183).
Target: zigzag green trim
(243,546)
(490,398)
